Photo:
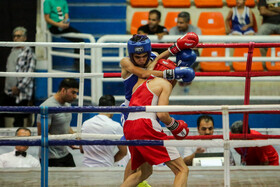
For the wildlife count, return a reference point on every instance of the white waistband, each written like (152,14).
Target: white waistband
(138,115)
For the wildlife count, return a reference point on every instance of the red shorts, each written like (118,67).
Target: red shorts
(148,129)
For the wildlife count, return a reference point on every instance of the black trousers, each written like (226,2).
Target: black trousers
(6,100)
(66,161)
(55,30)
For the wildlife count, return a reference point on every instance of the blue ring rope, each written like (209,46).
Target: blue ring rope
(83,142)
(74,109)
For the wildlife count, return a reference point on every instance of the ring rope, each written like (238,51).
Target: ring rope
(118,45)
(205,112)
(221,45)
(91,136)
(118,75)
(170,108)
(173,143)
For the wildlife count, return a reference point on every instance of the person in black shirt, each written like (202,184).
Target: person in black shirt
(270,10)
(153,26)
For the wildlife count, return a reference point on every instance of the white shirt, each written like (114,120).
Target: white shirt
(100,155)
(10,160)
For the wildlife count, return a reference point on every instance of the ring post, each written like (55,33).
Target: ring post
(225,118)
(44,146)
(247,86)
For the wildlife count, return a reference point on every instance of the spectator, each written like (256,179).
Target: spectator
(270,10)
(183,25)
(101,155)
(142,125)
(265,155)
(57,18)
(19,158)
(18,91)
(205,126)
(59,123)
(239,20)
(153,26)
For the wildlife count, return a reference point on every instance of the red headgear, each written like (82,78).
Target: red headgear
(164,64)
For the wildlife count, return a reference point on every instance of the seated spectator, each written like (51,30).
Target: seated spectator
(57,18)
(184,26)
(153,26)
(19,158)
(18,91)
(270,10)
(265,155)
(239,20)
(102,155)
(205,126)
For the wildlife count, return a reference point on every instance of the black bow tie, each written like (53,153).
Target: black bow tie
(21,153)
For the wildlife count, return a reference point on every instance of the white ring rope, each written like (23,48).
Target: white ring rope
(212,108)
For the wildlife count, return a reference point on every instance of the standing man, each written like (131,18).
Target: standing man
(265,155)
(145,126)
(183,25)
(18,91)
(100,155)
(19,158)
(205,126)
(59,123)
(153,26)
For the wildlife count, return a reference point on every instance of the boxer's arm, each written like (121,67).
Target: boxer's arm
(164,100)
(129,68)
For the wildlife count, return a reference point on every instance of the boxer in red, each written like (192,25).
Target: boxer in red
(145,126)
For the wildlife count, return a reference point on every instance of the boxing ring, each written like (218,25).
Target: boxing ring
(199,176)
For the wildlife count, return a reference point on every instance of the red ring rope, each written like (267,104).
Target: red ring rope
(220,74)
(221,45)
(232,136)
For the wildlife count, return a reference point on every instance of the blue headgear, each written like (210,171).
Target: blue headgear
(139,44)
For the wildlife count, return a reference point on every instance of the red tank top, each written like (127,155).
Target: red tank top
(143,96)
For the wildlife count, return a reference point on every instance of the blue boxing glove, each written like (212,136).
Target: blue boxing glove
(187,74)
(185,58)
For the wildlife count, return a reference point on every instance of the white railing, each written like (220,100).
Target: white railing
(90,57)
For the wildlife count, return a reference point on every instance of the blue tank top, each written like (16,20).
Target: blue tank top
(132,80)
(238,21)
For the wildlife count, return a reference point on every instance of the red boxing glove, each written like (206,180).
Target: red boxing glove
(178,128)
(189,40)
